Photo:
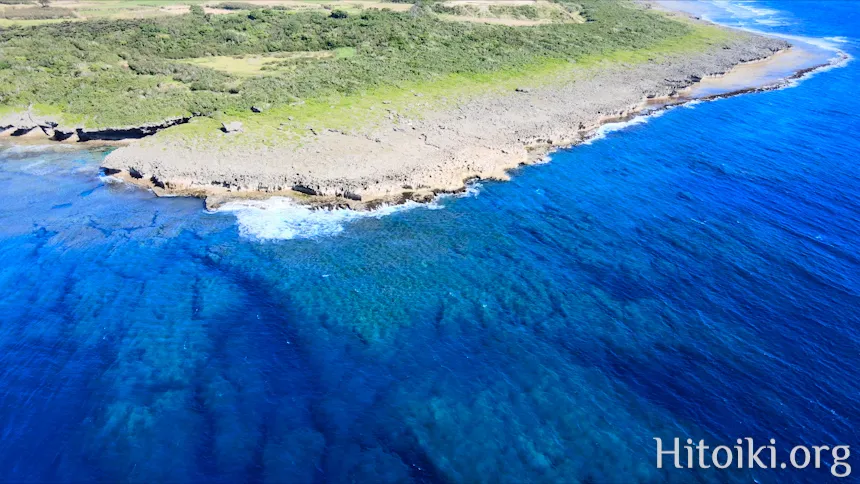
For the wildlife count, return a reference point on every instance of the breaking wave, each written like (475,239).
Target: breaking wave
(601,132)
(280,218)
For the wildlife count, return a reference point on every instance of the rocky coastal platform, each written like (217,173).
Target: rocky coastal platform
(414,158)
(408,157)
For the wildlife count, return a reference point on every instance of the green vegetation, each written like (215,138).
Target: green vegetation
(123,72)
(543,11)
(234,6)
(274,62)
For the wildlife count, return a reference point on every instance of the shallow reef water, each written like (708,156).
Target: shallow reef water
(695,275)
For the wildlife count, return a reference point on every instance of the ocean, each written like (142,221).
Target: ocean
(693,275)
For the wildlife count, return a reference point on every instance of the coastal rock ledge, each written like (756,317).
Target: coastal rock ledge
(414,159)
(30,125)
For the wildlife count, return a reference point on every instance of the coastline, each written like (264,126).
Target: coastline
(438,151)
(417,158)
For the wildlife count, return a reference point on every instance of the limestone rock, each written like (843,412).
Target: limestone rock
(232,127)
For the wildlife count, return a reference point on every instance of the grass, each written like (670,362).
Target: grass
(331,72)
(36,13)
(233,6)
(271,64)
(6,22)
(369,108)
(538,13)
(75,10)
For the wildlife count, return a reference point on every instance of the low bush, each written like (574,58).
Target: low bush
(234,6)
(109,71)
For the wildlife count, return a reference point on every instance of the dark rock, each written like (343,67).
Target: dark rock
(108,171)
(62,134)
(48,128)
(304,189)
(22,131)
(122,133)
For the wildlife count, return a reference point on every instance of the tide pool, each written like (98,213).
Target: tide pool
(694,275)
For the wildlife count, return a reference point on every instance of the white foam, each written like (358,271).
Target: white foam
(472,190)
(749,6)
(280,218)
(30,149)
(32,166)
(110,180)
(835,63)
(744,9)
(747,10)
(826,43)
(692,104)
(772,22)
(601,132)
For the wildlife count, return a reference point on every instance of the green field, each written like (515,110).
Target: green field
(272,63)
(322,66)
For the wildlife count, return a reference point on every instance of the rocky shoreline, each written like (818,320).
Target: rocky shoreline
(416,159)
(409,158)
(28,125)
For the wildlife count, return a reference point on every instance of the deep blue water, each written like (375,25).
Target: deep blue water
(693,276)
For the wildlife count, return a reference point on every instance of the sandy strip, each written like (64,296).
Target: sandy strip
(757,74)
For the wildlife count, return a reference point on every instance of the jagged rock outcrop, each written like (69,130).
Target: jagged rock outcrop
(28,124)
(128,132)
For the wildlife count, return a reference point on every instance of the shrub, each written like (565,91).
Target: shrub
(235,6)
(382,48)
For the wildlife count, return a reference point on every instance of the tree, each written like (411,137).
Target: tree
(45,3)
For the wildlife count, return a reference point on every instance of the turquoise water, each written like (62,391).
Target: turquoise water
(692,276)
